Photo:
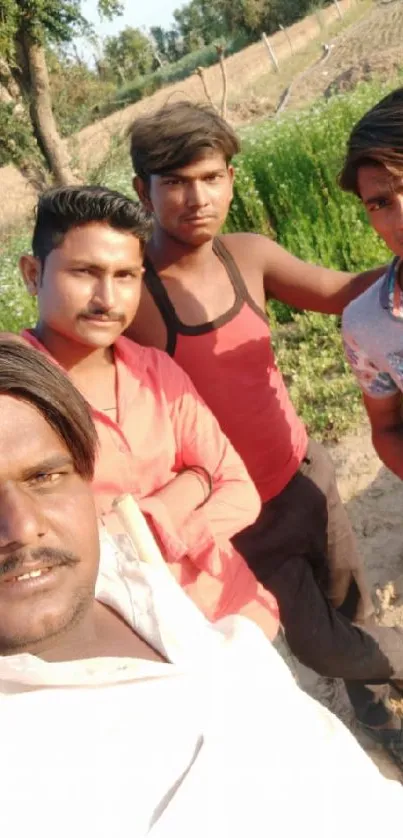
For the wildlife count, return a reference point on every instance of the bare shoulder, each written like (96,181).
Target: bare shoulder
(242,244)
(252,254)
(262,262)
(260,253)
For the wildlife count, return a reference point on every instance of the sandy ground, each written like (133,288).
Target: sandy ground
(374,501)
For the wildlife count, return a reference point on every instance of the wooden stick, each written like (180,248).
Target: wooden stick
(137,528)
(270,51)
(200,72)
(220,53)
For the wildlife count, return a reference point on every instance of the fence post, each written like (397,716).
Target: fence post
(283,29)
(339,11)
(270,51)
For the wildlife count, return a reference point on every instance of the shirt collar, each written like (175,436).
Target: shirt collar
(129,357)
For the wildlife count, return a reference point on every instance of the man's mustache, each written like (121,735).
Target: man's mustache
(112,316)
(20,561)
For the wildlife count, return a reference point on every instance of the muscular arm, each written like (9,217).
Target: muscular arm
(386,420)
(299,283)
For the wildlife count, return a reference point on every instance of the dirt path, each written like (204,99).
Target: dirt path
(374,501)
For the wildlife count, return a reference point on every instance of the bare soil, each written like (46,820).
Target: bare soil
(372,47)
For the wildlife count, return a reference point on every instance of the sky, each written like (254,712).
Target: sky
(138,14)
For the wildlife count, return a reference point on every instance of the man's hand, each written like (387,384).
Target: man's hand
(385,416)
(184,494)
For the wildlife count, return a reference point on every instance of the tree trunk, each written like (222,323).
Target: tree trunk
(43,120)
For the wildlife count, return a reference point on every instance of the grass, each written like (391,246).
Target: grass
(310,355)
(287,187)
(17,308)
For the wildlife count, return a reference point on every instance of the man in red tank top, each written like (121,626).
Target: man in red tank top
(203,301)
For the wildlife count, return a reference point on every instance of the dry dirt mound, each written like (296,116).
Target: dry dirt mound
(382,66)
(371,47)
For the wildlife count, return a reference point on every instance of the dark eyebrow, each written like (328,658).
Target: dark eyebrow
(58,461)
(91,266)
(84,263)
(178,176)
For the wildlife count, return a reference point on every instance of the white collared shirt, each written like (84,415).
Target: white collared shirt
(218,743)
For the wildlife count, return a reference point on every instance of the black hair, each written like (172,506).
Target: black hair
(62,209)
(377,139)
(176,135)
(27,374)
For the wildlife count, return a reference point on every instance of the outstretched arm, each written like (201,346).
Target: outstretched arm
(298,283)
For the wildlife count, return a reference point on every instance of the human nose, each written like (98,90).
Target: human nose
(196,194)
(398,213)
(105,293)
(22,522)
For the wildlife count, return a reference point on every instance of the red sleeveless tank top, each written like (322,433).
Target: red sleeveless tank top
(231,363)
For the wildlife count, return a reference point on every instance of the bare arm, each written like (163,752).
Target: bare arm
(386,420)
(299,283)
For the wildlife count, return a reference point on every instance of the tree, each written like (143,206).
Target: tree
(200,22)
(167,43)
(128,54)
(26,27)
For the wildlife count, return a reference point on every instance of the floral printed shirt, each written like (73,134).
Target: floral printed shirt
(373,336)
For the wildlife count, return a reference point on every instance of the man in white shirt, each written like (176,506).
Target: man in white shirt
(124,712)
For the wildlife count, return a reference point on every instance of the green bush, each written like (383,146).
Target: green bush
(293,164)
(17,308)
(17,141)
(77,95)
(323,390)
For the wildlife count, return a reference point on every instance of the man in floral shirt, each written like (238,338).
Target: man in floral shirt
(373,323)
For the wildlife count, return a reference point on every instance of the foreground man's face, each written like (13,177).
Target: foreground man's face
(49,547)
